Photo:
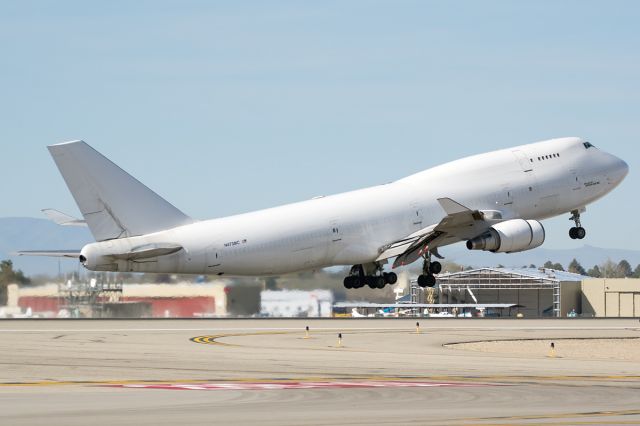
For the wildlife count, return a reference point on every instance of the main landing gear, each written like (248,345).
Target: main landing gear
(577,232)
(370,275)
(429,270)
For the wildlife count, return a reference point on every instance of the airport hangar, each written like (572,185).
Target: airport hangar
(535,292)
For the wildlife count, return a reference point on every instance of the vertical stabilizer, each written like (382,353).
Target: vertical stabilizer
(113,203)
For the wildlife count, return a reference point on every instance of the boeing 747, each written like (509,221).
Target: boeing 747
(493,202)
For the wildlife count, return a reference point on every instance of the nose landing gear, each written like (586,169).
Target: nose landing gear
(577,232)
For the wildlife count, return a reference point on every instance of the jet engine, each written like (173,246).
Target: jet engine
(509,237)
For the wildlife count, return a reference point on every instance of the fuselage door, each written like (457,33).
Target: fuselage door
(527,184)
(416,215)
(525,162)
(576,182)
(335,233)
(214,259)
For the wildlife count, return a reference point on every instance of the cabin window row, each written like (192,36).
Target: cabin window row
(547,157)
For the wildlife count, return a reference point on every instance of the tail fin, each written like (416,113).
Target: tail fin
(113,203)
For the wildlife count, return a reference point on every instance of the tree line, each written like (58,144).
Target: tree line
(608,269)
(8,275)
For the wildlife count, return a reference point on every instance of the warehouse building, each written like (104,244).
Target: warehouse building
(611,297)
(219,298)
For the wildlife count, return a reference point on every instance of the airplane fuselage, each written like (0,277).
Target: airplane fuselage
(535,181)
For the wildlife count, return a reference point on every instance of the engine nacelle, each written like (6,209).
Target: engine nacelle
(509,237)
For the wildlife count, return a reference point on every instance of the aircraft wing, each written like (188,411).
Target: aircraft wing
(460,223)
(50,253)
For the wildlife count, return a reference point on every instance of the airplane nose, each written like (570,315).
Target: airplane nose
(620,170)
(624,169)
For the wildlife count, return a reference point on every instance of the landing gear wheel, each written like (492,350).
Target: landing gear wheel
(426,280)
(577,232)
(431,281)
(435,268)
(390,278)
(349,282)
(379,282)
(422,280)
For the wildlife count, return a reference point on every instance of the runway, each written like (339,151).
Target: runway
(382,371)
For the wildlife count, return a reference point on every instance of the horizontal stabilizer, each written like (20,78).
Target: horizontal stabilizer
(63,218)
(148,251)
(74,254)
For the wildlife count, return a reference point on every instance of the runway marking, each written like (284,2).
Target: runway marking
(212,339)
(296,385)
(544,417)
(486,380)
(538,339)
(426,329)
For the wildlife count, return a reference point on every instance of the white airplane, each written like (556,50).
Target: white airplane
(492,201)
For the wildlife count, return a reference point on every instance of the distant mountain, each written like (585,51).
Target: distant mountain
(24,233)
(21,233)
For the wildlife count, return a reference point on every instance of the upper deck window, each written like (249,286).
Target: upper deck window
(588,145)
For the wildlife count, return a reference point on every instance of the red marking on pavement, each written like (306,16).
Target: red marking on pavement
(294,385)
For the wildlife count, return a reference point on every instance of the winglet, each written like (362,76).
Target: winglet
(452,207)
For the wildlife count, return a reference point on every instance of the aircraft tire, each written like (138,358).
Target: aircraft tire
(390,278)
(431,280)
(435,267)
(348,282)
(580,233)
(422,280)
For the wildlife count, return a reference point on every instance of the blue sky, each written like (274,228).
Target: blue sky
(226,107)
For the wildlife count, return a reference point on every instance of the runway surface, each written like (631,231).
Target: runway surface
(269,372)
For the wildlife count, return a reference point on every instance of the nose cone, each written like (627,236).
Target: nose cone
(624,169)
(619,171)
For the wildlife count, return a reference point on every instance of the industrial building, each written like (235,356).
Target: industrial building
(113,300)
(296,303)
(535,292)
(491,292)
(611,297)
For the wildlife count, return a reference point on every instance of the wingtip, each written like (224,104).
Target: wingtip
(75,141)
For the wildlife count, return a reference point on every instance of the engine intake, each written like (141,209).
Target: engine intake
(510,236)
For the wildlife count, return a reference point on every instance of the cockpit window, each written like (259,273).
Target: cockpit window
(588,145)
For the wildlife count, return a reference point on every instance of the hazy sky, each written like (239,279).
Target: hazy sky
(226,107)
